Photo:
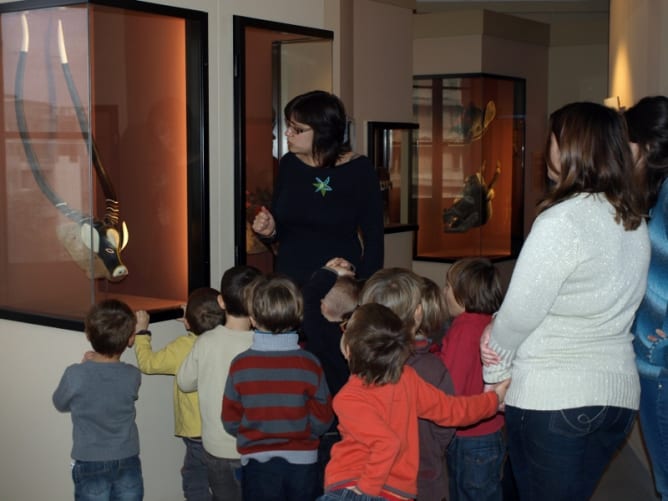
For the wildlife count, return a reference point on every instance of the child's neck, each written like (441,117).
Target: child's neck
(237,323)
(105,359)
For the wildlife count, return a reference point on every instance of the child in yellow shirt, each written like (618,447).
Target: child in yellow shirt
(202,313)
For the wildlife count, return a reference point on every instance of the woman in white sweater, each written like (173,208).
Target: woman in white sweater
(563,331)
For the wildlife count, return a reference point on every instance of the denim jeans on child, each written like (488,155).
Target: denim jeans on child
(194,473)
(347,495)
(561,455)
(117,480)
(654,426)
(278,480)
(223,477)
(475,466)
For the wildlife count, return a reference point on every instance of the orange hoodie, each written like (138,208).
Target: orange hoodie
(379,450)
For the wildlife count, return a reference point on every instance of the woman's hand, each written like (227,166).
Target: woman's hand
(264,223)
(488,355)
(341,266)
(659,335)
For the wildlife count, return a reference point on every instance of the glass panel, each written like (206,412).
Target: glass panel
(469,182)
(95,144)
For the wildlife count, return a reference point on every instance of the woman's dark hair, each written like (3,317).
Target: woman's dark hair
(648,127)
(378,344)
(203,312)
(594,158)
(326,115)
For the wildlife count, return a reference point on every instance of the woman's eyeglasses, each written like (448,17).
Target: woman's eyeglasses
(293,129)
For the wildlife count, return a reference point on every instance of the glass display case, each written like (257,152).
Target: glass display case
(103,168)
(392,149)
(469,187)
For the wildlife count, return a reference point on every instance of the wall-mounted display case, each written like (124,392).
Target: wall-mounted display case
(469,187)
(103,160)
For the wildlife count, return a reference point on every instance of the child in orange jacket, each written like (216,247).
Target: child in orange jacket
(379,407)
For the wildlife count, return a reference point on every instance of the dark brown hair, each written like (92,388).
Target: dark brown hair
(594,158)
(648,127)
(276,304)
(203,312)
(109,326)
(378,344)
(476,285)
(234,289)
(326,115)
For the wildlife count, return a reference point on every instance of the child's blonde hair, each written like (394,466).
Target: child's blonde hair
(398,289)
(434,309)
(276,304)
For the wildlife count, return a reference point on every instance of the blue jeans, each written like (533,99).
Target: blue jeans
(194,473)
(278,480)
(347,495)
(475,466)
(561,455)
(117,480)
(654,425)
(223,477)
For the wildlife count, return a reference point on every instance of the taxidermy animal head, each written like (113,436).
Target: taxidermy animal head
(95,245)
(474,207)
(466,124)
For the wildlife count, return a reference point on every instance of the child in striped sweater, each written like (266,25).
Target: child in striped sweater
(276,400)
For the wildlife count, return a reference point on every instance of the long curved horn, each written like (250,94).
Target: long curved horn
(22,126)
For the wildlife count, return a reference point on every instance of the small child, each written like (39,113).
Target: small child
(205,369)
(330,295)
(276,400)
(100,394)
(379,407)
(473,293)
(402,291)
(202,313)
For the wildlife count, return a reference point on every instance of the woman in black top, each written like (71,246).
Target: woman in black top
(327,201)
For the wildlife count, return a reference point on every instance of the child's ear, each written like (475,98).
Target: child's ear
(131,341)
(418,316)
(221,303)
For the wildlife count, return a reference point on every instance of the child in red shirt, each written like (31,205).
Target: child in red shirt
(379,406)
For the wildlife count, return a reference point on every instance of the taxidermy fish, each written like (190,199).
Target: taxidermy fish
(465,124)
(474,207)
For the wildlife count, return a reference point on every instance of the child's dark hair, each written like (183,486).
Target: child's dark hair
(276,304)
(476,285)
(109,325)
(203,312)
(343,296)
(234,289)
(378,344)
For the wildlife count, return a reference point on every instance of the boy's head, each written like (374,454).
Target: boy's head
(276,304)
(398,289)
(473,285)
(203,312)
(234,289)
(434,310)
(376,344)
(110,326)
(341,299)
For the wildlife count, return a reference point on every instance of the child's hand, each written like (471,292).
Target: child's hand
(659,335)
(142,320)
(342,266)
(488,355)
(90,356)
(500,389)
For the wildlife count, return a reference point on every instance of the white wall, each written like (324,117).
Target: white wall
(36,439)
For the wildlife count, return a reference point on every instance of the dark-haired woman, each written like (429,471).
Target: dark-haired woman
(327,201)
(563,332)
(648,130)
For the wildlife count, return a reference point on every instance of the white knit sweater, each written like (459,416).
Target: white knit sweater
(563,330)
